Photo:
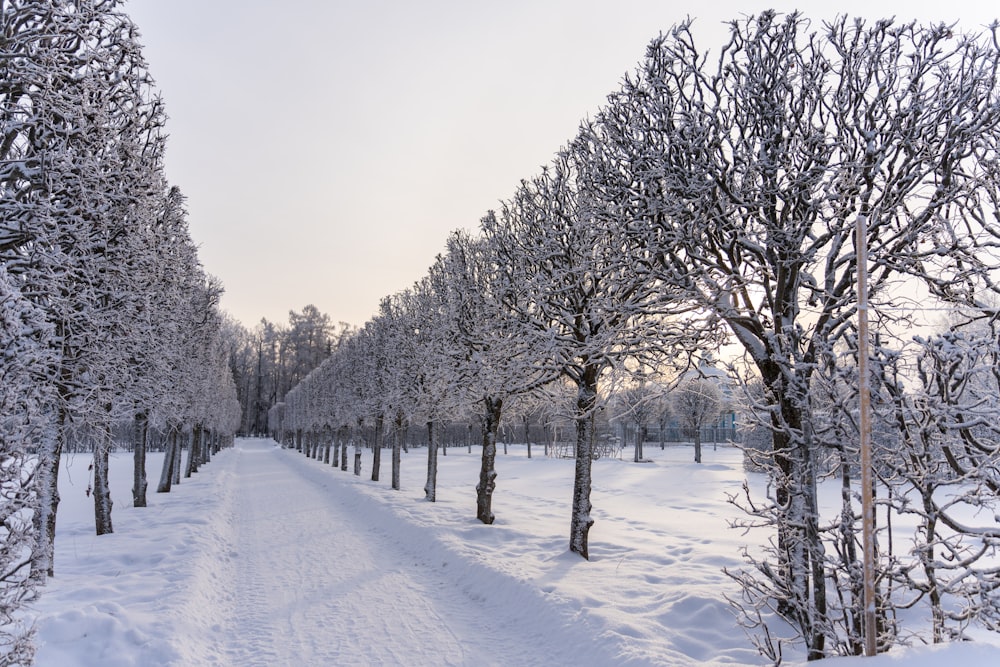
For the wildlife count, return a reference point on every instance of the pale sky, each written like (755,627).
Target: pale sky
(328,147)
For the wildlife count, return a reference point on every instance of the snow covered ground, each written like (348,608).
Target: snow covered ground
(265,557)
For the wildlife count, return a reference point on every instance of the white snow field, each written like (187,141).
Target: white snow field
(267,558)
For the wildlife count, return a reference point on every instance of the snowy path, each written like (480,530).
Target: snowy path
(316,577)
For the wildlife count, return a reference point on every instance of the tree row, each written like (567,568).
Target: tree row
(733,197)
(106,315)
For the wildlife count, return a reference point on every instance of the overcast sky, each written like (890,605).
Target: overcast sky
(328,147)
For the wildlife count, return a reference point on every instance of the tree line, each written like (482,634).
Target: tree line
(716,198)
(271,358)
(106,315)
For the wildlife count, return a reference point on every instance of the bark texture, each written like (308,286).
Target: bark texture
(140,432)
(487,470)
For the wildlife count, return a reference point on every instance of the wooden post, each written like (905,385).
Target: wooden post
(864,423)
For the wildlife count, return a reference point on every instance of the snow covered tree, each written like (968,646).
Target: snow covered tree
(527,412)
(176,362)
(25,398)
(435,364)
(582,294)
(944,471)
(637,406)
(749,177)
(81,148)
(242,354)
(272,358)
(153,315)
(421,372)
(491,361)
(205,362)
(696,403)
(397,372)
(266,392)
(355,388)
(308,340)
(375,366)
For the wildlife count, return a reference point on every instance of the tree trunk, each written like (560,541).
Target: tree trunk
(397,443)
(198,445)
(430,488)
(192,461)
(697,444)
(801,561)
(140,432)
(189,468)
(179,438)
(377,447)
(167,473)
(343,455)
(581,520)
(178,450)
(848,555)
(44,520)
(926,556)
(358,444)
(487,470)
(102,491)
(527,436)
(205,449)
(817,555)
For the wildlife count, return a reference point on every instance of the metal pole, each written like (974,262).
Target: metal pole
(864,422)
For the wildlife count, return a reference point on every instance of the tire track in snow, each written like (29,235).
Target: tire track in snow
(249,603)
